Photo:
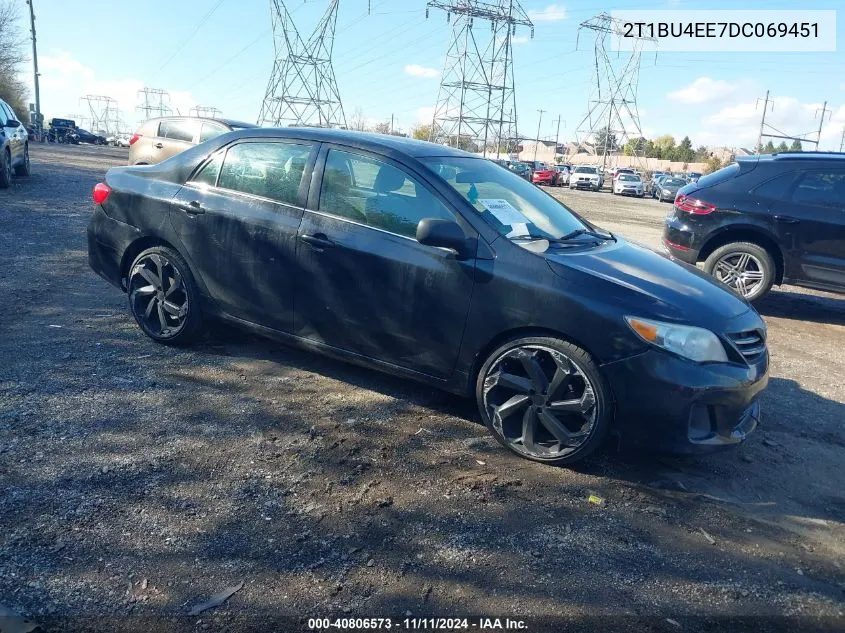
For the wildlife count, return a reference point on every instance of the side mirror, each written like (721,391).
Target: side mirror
(442,233)
(13,123)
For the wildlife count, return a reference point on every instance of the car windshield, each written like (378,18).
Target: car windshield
(629,178)
(585,170)
(673,182)
(513,206)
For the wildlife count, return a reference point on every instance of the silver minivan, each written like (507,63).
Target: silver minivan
(161,138)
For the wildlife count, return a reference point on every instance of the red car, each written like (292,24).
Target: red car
(544,175)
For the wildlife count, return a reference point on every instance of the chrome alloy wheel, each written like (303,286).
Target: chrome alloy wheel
(540,401)
(741,271)
(157,296)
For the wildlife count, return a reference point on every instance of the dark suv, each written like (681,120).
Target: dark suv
(764,220)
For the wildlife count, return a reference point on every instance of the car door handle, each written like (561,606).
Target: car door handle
(785,219)
(159,145)
(318,240)
(193,208)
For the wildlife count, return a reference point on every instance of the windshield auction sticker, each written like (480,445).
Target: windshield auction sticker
(723,31)
(504,212)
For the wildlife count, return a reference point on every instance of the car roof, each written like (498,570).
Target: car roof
(788,156)
(361,140)
(229,122)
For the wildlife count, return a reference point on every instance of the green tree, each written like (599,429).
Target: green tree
(769,148)
(422,132)
(606,140)
(782,147)
(702,153)
(796,146)
(635,147)
(665,146)
(713,164)
(12,57)
(683,153)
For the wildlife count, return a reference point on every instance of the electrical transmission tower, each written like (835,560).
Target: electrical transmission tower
(104,114)
(476,103)
(154,102)
(302,89)
(612,116)
(205,111)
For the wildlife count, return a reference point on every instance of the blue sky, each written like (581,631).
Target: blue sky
(389,63)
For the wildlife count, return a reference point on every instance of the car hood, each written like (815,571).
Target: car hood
(653,284)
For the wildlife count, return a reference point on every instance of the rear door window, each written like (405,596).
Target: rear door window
(207,175)
(268,170)
(776,188)
(821,189)
(210,130)
(726,173)
(178,130)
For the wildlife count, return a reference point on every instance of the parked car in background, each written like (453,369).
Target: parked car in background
(765,220)
(62,131)
(161,138)
(693,176)
(628,185)
(619,171)
(84,136)
(584,177)
(309,236)
(14,146)
(522,170)
(667,188)
(545,175)
(563,172)
(654,177)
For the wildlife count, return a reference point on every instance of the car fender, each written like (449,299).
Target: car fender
(761,229)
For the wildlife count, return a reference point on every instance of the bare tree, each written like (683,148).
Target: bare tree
(12,56)
(358,121)
(382,127)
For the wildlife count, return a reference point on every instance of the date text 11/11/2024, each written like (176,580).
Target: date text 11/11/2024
(417,624)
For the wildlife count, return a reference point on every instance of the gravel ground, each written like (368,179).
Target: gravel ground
(142,480)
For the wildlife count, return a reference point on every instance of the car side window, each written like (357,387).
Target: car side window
(821,188)
(269,170)
(177,130)
(377,194)
(6,112)
(207,175)
(211,130)
(776,188)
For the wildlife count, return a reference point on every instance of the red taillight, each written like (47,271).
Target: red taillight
(135,138)
(101,193)
(693,205)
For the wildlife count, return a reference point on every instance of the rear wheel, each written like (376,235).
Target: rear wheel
(746,267)
(163,296)
(544,399)
(5,169)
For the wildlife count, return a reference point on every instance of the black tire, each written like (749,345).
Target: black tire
(726,265)
(571,386)
(24,170)
(5,169)
(158,274)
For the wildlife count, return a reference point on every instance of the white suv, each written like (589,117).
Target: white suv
(14,146)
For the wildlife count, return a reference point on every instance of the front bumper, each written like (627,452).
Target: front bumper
(630,192)
(669,404)
(584,184)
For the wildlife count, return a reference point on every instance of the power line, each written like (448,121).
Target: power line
(185,41)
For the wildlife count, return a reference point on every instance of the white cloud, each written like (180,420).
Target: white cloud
(739,124)
(65,80)
(703,90)
(552,13)
(425,114)
(415,70)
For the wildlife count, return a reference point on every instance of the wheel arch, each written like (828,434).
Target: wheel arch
(513,334)
(751,234)
(136,247)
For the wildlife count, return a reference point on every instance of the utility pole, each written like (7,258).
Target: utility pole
(763,121)
(557,136)
(537,142)
(821,123)
(39,124)
(842,141)
(391,125)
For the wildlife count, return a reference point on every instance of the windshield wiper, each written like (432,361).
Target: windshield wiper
(579,232)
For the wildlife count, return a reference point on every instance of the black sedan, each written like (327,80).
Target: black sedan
(84,136)
(667,188)
(430,263)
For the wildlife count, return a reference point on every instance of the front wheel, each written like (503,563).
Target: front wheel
(163,297)
(544,399)
(23,170)
(744,266)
